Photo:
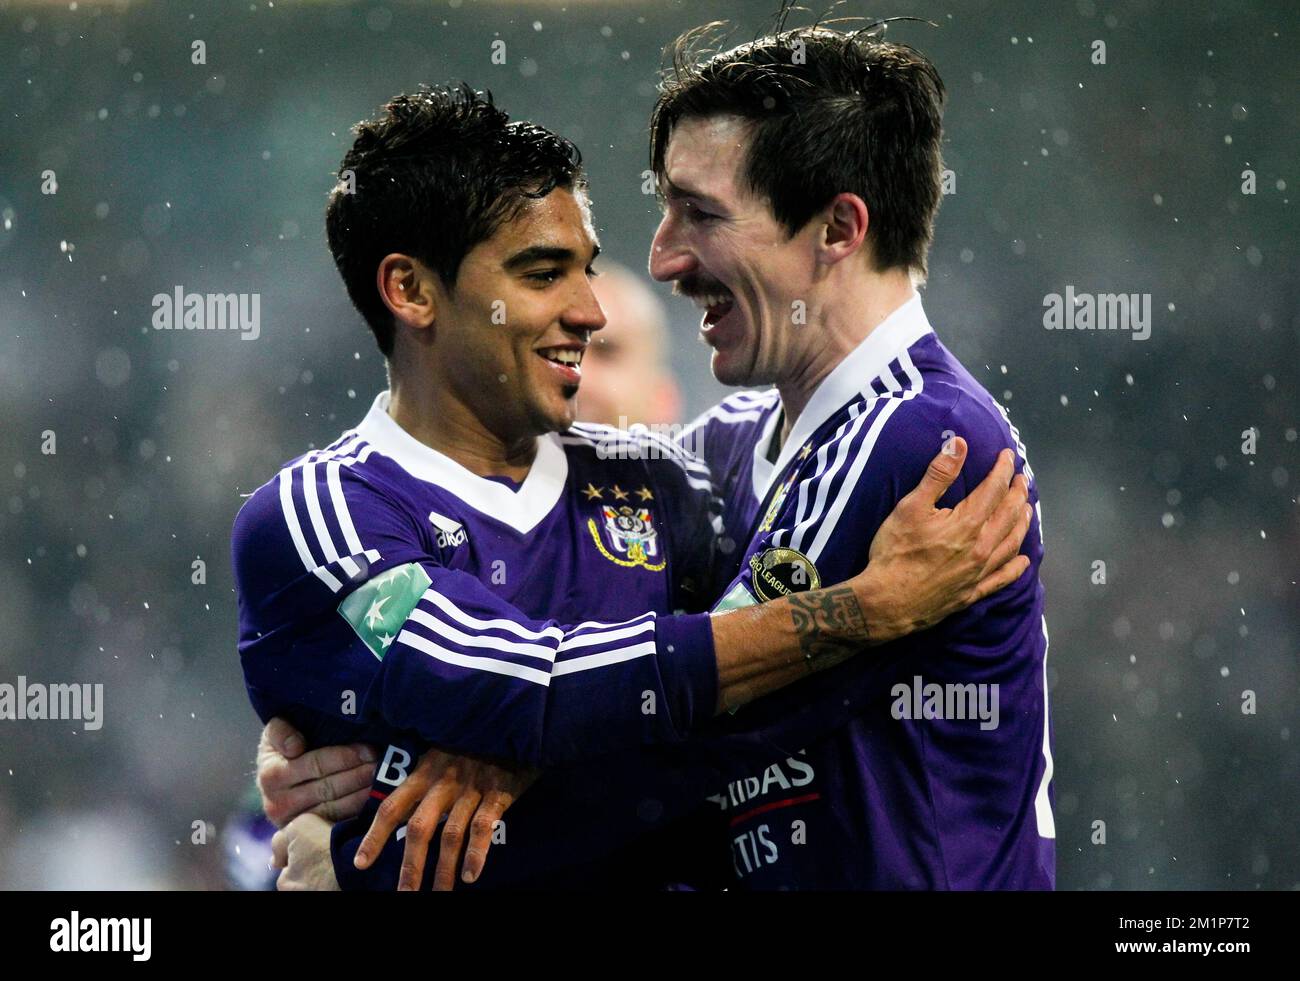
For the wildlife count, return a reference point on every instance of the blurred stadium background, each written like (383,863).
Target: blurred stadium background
(1118,177)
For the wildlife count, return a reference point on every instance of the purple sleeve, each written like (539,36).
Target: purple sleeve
(385,637)
(468,673)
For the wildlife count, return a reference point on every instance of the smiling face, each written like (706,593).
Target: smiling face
(721,246)
(509,339)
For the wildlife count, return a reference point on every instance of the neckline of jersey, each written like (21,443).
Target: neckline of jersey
(521,509)
(846,381)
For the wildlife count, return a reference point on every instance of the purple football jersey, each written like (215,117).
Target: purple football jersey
(938,773)
(385,589)
(732,438)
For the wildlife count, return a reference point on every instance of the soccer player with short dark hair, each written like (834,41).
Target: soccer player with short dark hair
(801,177)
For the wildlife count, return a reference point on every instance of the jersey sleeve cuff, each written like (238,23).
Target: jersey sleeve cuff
(688,667)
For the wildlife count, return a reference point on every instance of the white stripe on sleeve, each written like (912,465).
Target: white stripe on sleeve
(473,622)
(604,658)
(344,516)
(290,511)
(437,651)
(311,495)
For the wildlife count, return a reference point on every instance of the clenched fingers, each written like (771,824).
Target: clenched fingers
(323,763)
(280,737)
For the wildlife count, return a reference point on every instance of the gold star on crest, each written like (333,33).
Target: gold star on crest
(644,494)
(619,493)
(593,493)
(806,451)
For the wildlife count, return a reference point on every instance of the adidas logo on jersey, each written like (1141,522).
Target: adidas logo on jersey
(450,533)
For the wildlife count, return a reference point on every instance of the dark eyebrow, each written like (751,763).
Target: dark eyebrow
(676,191)
(544,253)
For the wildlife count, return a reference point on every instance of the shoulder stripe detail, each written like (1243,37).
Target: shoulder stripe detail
(709,434)
(602,437)
(295,532)
(1015,438)
(619,444)
(820,506)
(739,407)
(312,496)
(350,536)
(767,397)
(322,497)
(347,437)
(745,413)
(832,514)
(814,491)
(845,493)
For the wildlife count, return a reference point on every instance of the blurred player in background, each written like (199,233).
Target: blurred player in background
(626,378)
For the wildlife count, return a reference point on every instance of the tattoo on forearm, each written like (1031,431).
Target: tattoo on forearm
(829,624)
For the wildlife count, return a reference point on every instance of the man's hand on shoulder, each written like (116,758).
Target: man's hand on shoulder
(927,562)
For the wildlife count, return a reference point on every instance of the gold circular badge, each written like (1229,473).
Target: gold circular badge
(779,572)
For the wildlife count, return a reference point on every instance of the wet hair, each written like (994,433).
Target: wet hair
(436,173)
(829,112)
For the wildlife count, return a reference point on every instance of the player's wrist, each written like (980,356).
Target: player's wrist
(830,625)
(883,612)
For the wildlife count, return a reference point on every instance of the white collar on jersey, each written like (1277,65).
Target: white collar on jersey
(522,510)
(848,379)
(763,467)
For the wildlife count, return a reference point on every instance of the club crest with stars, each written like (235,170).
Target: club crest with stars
(623,528)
